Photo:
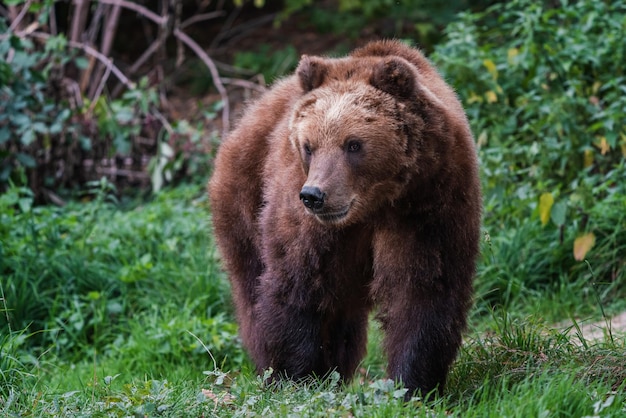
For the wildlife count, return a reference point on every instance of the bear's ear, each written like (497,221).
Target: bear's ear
(396,77)
(311,71)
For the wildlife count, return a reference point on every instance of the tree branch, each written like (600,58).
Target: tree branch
(144,11)
(79,19)
(214,74)
(250,85)
(18,19)
(111,19)
(92,52)
(201,18)
(98,90)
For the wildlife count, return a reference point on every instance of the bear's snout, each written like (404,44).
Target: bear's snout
(312,198)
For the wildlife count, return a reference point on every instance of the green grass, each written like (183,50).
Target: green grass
(116,309)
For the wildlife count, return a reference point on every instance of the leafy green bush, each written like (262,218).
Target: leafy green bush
(544,90)
(40,123)
(27,110)
(60,129)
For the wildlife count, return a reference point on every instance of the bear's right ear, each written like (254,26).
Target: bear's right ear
(311,71)
(395,76)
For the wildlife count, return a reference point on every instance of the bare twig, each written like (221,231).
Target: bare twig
(18,19)
(154,46)
(110,28)
(225,27)
(52,21)
(164,31)
(72,87)
(110,25)
(85,75)
(12,13)
(91,34)
(250,85)
(144,11)
(99,89)
(231,34)
(214,74)
(53,197)
(10,53)
(236,70)
(79,19)
(180,48)
(106,61)
(166,125)
(90,51)
(201,18)
(122,172)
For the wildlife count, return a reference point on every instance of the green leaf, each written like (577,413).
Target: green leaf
(124,116)
(558,213)
(28,136)
(122,144)
(26,160)
(56,43)
(40,127)
(85,143)
(81,62)
(25,204)
(5,134)
(94,295)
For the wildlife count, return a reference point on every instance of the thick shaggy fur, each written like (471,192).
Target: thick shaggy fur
(351,185)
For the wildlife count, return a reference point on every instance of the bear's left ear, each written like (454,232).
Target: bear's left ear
(396,77)
(311,71)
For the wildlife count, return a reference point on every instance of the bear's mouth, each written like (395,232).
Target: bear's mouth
(333,216)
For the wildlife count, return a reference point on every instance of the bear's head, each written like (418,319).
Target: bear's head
(355,135)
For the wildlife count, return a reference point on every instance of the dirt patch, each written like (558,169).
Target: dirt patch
(599,330)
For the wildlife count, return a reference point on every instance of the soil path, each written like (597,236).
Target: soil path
(598,330)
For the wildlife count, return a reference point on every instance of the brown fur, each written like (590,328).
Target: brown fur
(350,185)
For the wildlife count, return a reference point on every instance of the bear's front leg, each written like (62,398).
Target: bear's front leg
(422,337)
(423,289)
(287,329)
(303,328)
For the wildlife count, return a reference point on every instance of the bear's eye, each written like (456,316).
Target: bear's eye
(353,145)
(307,149)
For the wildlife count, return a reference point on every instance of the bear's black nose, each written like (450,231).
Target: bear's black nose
(312,197)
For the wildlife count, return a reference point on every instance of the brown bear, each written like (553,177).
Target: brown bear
(350,186)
